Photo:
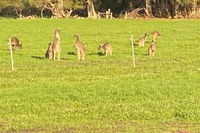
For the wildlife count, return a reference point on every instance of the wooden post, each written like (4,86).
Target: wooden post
(11,56)
(108,14)
(126,15)
(133,52)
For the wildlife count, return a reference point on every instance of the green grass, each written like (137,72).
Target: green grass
(101,94)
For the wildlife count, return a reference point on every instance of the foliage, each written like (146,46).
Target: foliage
(102,5)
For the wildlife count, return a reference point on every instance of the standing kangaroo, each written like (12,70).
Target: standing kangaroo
(142,40)
(107,48)
(155,35)
(55,45)
(15,43)
(152,48)
(49,52)
(80,48)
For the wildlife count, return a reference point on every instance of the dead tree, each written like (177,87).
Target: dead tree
(137,13)
(90,9)
(148,8)
(57,9)
(19,14)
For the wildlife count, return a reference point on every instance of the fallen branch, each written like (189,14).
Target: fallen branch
(139,12)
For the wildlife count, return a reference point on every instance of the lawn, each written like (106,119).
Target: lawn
(101,94)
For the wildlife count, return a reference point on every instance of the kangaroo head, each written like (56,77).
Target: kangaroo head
(153,42)
(99,47)
(57,30)
(146,34)
(159,35)
(76,35)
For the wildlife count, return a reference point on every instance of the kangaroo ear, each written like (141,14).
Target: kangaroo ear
(99,47)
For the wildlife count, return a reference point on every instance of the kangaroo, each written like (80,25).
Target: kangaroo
(49,52)
(152,48)
(155,35)
(142,40)
(55,45)
(15,43)
(80,48)
(107,48)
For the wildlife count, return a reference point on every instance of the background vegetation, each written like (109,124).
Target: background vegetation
(101,94)
(158,8)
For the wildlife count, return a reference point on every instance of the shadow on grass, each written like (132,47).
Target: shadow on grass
(145,54)
(135,44)
(99,53)
(64,59)
(71,53)
(42,58)
(37,57)
(5,49)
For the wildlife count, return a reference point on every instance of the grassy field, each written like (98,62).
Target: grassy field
(101,94)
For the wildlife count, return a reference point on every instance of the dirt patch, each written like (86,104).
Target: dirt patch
(172,127)
(122,126)
(130,126)
(180,131)
(68,130)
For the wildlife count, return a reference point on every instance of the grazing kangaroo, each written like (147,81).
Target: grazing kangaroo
(107,48)
(55,45)
(80,48)
(155,35)
(142,40)
(152,48)
(49,52)
(15,43)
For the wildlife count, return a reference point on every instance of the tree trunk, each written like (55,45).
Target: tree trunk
(172,7)
(194,7)
(90,9)
(148,7)
(60,5)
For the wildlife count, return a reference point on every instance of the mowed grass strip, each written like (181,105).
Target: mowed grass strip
(101,94)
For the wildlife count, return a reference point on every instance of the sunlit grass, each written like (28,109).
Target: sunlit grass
(102,93)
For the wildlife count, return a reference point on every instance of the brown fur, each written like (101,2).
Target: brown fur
(107,48)
(142,40)
(55,45)
(80,48)
(155,35)
(15,43)
(152,48)
(49,52)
